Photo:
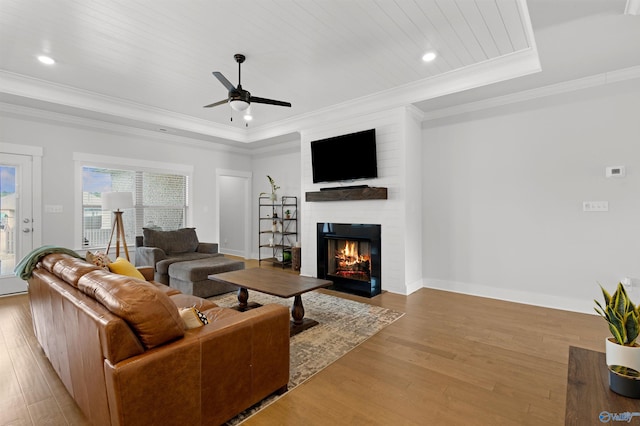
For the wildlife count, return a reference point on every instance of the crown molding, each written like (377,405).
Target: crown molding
(506,67)
(128,113)
(540,92)
(45,91)
(37,114)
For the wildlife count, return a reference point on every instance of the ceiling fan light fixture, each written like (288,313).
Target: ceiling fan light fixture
(429,56)
(238,104)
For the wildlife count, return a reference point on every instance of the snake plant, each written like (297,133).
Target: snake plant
(621,315)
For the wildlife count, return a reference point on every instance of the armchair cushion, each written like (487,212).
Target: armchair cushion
(179,241)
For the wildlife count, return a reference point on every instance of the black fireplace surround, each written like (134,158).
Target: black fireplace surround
(328,232)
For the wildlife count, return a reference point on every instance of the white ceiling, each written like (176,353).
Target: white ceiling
(148,63)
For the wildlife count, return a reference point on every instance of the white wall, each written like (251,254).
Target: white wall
(60,140)
(396,141)
(503,193)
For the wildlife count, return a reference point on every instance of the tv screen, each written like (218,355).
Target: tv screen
(345,157)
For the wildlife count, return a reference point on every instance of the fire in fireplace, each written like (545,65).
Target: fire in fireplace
(349,255)
(351,259)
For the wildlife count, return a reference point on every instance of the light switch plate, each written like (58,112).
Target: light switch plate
(595,206)
(53,208)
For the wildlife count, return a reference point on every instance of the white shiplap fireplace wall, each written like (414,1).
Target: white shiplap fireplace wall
(398,139)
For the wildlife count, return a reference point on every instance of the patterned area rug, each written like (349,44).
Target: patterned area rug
(344,324)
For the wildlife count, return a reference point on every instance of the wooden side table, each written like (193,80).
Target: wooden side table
(295,258)
(589,399)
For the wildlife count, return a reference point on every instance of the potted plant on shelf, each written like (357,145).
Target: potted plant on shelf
(622,349)
(287,214)
(274,188)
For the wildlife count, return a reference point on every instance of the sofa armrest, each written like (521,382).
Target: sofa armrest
(214,371)
(146,256)
(146,271)
(207,248)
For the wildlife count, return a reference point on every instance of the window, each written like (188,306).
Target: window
(160,202)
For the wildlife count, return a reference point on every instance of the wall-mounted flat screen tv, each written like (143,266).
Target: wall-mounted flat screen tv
(345,158)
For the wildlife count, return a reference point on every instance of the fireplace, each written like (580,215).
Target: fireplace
(349,255)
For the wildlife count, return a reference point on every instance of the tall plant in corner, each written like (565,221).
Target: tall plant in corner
(621,315)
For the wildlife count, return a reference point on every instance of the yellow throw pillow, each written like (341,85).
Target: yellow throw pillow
(123,267)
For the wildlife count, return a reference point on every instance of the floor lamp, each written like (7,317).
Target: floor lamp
(116,202)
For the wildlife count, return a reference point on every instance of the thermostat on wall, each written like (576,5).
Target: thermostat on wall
(615,171)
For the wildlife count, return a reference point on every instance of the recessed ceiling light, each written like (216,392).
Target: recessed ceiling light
(47,60)
(429,56)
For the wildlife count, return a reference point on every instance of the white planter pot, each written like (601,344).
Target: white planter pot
(626,356)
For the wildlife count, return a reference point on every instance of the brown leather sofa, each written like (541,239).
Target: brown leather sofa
(122,351)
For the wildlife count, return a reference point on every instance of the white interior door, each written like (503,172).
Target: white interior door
(16,218)
(233,201)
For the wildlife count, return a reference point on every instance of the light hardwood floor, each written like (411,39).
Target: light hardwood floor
(452,359)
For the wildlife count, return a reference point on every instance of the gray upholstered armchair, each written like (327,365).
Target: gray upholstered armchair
(162,248)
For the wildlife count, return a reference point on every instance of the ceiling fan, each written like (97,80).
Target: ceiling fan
(238,98)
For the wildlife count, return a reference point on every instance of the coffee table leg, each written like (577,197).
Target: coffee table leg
(243,296)
(297,311)
(299,322)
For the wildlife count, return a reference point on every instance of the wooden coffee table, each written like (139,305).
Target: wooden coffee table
(276,283)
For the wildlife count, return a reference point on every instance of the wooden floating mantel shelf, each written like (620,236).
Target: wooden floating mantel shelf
(348,194)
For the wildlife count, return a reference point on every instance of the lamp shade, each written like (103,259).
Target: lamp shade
(117,200)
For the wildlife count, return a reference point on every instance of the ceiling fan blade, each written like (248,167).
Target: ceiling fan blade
(269,101)
(224,80)
(224,101)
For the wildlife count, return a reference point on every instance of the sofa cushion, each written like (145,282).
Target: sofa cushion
(200,269)
(123,267)
(150,312)
(179,241)
(71,269)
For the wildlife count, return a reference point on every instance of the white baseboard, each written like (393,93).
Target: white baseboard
(528,298)
(231,252)
(414,286)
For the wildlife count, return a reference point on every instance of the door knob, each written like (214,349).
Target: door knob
(26,230)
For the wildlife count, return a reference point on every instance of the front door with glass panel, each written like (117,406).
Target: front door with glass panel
(16,219)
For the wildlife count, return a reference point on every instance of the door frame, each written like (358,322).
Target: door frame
(36,153)
(246,177)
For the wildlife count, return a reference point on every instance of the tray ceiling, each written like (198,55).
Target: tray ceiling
(148,63)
